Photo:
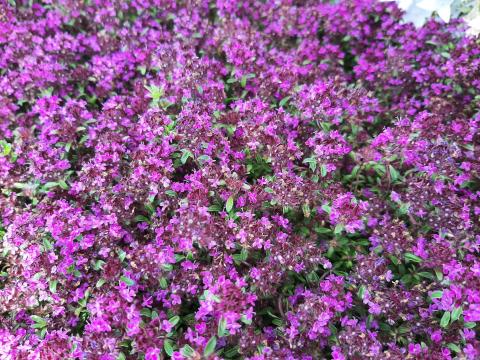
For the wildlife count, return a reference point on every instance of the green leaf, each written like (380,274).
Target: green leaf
(413,258)
(50,184)
(445,320)
(406,279)
(454,347)
(436,294)
(469,325)
(214,208)
(37,319)
(222,327)
(326,126)
(121,255)
(142,69)
(238,258)
(6,148)
(272,315)
(330,251)
(187,351)
(233,352)
(338,229)
(284,101)
(141,218)
(39,322)
(185,155)
(203,158)
(403,209)
(322,230)
(277,322)
(394,175)
(174,320)
(229,204)
(47,245)
(439,274)
(312,163)
(426,275)
(163,283)
(326,208)
(306,210)
(243,256)
(403,329)
(208,295)
(127,281)
(170,193)
(394,260)
(83,139)
(63,184)
(379,169)
(100,282)
(456,313)
(210,347)
(361,291)
(167,267)
(245,320)
(323,170)
(155,92)
(53,286)
(98,265)
(167,346)
(146,312)
(244,253)
(244,79)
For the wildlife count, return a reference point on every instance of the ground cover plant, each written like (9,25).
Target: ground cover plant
(237,180)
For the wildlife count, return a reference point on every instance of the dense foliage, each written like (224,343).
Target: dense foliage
(237,180)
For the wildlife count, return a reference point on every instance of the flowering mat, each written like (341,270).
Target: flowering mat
(237,180)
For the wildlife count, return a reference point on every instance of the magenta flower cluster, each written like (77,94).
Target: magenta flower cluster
(198,179)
